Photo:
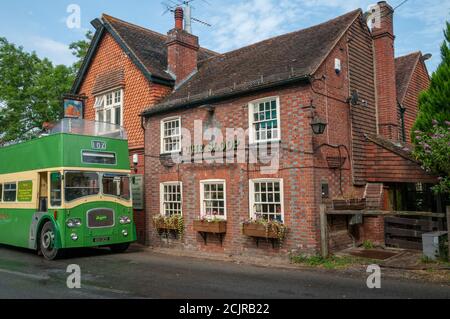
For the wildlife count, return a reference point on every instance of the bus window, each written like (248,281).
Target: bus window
(99,158)
(80,184)
(10,192)
(1,193)
(55,189)
(116,185)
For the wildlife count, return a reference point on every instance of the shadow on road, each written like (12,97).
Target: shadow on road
(70,253)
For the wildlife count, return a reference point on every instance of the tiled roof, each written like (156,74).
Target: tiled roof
(404,68)
(148,46)
(109,80)
(286,57)
(401,149)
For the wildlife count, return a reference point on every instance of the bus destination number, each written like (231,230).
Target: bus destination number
(98,145)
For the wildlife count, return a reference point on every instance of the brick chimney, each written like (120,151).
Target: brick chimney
(383,38)
(182,50)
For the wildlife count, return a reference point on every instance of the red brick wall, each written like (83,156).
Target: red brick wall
(302,172)
(182,53)
(139,94)
(299,192)
(420,81)
(385,74)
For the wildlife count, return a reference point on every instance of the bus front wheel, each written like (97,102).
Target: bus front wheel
(119,248)
(47,241)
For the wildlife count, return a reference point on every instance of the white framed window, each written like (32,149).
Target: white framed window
(264,120)
(213,198)
(171,198)
(171,135)
(266,199)
(109,107)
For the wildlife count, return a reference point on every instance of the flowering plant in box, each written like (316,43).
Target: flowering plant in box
(270,226)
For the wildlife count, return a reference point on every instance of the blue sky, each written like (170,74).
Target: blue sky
(41,25)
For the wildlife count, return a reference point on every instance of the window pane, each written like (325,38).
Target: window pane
(116,185)
(10,192)
(108,116)
(267,202)
(55,189)
(172,199)
(118,116)
(81,184)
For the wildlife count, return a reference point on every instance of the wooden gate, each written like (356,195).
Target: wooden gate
(406,232)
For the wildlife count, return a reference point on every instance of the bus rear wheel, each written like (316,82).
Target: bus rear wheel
(119,248)
(47,241)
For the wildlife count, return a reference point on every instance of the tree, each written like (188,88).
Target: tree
(31,91)
(80,49)
(431,134)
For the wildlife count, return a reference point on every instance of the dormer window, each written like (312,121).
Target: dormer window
(109,107)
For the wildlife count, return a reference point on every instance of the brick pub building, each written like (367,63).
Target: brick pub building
(340,73)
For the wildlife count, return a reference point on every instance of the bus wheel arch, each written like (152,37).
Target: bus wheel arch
(47,239)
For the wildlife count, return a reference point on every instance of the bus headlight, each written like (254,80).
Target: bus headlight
(73,223)
(124,233)
(125,220)
(74,237)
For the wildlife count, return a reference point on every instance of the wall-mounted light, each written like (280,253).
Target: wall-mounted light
(318,125)
(135,162)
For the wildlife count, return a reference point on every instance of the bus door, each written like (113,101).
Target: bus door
(43,192)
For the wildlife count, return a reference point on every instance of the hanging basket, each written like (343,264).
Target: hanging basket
(336,162)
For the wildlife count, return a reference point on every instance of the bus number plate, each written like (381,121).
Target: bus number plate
(101,239)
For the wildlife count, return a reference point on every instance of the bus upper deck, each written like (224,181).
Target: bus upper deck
(68,189)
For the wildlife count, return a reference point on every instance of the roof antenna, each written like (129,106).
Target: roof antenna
(187,10)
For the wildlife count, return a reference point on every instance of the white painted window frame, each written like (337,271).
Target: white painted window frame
(252,194)
(112,107)
(251,108)
(202,196)
(161,195)
(162,137)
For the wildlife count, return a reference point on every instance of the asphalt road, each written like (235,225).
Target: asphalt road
(143,274)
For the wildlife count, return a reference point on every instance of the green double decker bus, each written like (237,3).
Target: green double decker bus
(68,189)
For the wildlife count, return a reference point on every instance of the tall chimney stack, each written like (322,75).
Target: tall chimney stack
(182,50)
(383,38)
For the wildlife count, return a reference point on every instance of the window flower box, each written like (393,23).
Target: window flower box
(258,231)
(169,223)
(261,228)
(213,226)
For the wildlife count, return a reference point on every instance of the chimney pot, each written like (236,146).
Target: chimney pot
(179,15)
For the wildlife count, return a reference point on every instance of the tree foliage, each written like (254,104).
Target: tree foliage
(31,91)
(431,133)
(80,49)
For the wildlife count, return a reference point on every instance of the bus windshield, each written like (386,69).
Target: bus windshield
(81,184)
(116,185)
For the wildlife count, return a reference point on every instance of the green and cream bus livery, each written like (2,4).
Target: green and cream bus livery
(68,189)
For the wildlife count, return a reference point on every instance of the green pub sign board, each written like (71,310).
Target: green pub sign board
(25,191)
(137,190)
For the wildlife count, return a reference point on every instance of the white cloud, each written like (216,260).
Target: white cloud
(57,52)
(251,21)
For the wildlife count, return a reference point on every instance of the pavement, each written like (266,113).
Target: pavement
(144,273)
